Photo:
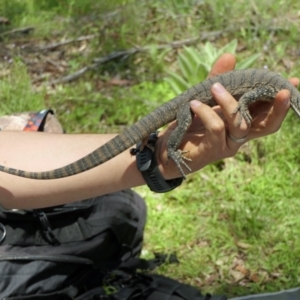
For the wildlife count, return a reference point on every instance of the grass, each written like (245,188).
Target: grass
(16,90)
(234,225)
(234,230)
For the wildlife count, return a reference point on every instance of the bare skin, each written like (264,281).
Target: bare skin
(205,143)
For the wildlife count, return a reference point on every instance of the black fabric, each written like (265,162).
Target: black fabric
(84,251)
(127,283)
(91,234)
(140,286)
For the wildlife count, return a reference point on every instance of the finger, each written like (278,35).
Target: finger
(294,81)
(270,123)
(210,119)
(225,63)
(228,105)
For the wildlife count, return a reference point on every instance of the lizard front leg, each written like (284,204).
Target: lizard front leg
(263,94)
(184,120)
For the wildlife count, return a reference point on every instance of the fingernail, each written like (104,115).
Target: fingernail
(195,103)
(218,88)
(287,101)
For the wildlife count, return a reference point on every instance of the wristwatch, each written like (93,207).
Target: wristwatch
(147,165)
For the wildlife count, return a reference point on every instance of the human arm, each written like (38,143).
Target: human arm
(43,151)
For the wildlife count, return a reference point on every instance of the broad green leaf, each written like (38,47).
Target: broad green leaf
(193,54)
(230,47)
(248,62)
(186,65)
(202,72)
(194,65)
(177,83)
(209,53)
(163,53)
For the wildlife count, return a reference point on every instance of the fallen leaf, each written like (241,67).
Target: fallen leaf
(211,279)
(237,276)
(119,82)
(242,269)
(4,73)
(4,21)
(289,64)
(254,277)
(243,245)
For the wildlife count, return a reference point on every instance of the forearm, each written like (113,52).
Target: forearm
(41,152)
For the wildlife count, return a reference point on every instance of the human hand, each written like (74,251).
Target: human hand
(207,139)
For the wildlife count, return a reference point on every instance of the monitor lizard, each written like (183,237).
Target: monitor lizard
(247,86)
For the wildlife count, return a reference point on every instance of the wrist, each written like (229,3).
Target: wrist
(146,159)
(166,166)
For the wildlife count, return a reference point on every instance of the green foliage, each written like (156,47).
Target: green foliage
(12,9)
(17,94)
(107,112)
(248,213)
(17,8)
(195,65)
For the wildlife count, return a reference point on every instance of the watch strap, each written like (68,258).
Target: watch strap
(147,165)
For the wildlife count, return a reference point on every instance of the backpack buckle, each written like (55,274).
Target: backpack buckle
(3,229)
(47,230)
(126,253)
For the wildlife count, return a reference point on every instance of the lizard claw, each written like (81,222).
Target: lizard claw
(244,114)
(179,159)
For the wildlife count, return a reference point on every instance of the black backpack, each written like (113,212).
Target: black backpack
(57,250)
(55,254)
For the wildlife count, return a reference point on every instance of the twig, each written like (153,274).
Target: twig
(25,30)
(127,53)
(70,77)
(96,63)
(63,43)
(114,55)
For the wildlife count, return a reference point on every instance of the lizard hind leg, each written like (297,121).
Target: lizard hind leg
(266,94)
(184,120)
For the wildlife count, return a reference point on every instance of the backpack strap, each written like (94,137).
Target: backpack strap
(157,287)
(135,263)
(46,228)
(37,120)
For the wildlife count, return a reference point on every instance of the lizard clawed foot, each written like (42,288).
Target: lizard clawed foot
(179,159)
(244,114)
